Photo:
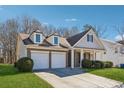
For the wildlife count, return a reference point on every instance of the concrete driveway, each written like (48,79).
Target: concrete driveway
(76,78)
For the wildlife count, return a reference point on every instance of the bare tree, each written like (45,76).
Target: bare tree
(26,24)
(68,32)
(30,24)
(74,30)
(48,29)
(101,31)
(120,30)
(8,37)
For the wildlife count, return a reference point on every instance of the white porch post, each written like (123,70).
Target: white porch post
(72,58)
(94,55)
(81,57)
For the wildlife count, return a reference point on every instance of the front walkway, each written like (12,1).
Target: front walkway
(75,78)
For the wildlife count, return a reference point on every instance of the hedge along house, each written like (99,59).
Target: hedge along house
(54,51)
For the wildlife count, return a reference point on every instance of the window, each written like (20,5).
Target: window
(104,52)
(122,50)
(116,50)
(89,38)
(38,38)
(56,40)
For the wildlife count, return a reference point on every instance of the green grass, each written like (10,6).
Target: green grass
(11,78)
(112,73)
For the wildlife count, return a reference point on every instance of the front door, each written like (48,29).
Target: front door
(87,56)
(77,59)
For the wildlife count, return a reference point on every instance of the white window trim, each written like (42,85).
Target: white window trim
(41,38)
(54,42)
(90,38)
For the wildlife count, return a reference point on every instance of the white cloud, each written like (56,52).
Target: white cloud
(118,37)
(45,23)
(71,20)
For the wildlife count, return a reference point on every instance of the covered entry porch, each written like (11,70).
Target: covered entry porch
(79,54)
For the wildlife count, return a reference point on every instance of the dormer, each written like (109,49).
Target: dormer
(37,37)
(54,39)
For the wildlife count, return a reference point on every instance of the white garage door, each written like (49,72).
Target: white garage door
(41,59)
(58,59)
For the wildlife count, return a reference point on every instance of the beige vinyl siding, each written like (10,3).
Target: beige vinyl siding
(50,39)
(95,44)
(21,49)
(64,42)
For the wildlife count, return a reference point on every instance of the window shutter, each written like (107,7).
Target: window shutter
(87,38)
(92,38)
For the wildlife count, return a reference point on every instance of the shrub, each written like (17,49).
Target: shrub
(100,62)
(15,64)
(108,64)
(97,65)
(1,60)
(24,64)
(87,63)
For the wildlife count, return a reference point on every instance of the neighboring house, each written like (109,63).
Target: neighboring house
(54,51)
(122,47)
(113,52)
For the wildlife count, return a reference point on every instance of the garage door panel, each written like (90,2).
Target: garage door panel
(58,60)
(41,60)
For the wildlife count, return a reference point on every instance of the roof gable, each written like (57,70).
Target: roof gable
(74,39)
(53,34)
(37,31)
(96,44)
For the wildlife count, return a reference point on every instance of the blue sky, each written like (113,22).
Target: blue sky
(68,16)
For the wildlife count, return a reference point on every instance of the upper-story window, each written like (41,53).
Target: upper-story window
(116,50)
(38,38)
(122,50)
(89,38)
(55,40)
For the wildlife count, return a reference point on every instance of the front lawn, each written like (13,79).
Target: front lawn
(11,78)
(112,73)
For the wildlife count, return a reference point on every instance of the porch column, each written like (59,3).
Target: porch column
(94,55)
(72,58)
(81,57)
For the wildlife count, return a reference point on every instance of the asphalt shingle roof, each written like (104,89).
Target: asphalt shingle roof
(73,39)
(27,41)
